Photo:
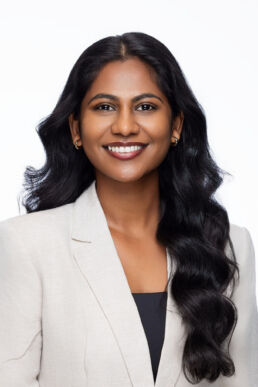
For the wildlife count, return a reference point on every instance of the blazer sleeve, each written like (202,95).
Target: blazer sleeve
(244,342)
(20,312)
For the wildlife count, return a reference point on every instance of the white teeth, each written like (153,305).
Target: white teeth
(124,149)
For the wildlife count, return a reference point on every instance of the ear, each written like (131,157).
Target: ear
(178,125)
(74,129)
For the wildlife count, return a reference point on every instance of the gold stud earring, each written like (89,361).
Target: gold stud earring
(174,143)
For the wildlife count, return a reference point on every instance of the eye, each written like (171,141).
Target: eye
(147,106)
(104,106)
(144,106)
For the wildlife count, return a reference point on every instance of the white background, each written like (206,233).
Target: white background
(215,43)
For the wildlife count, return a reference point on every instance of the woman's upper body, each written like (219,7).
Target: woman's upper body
(70,266)
(68,317)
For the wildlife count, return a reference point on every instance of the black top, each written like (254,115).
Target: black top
(152,310)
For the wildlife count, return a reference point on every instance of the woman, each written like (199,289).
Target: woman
(125,271)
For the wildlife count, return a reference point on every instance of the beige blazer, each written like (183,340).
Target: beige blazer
(67,315)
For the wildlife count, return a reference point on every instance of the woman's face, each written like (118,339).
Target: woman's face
(125,115)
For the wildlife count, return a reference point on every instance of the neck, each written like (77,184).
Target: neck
(130,208)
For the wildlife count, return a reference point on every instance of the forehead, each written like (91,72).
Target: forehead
(130,77)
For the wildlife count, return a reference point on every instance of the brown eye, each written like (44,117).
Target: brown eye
(104,107)
(147,106)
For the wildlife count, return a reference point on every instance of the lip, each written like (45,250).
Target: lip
(126,155)
(120,143)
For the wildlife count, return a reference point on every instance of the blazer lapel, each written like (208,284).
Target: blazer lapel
(96,255)
(170,368)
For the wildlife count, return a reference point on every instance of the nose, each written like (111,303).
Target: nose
(125,123)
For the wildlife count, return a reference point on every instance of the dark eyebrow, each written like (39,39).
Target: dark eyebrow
(114,98)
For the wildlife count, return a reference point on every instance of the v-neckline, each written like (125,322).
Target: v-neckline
(100,265)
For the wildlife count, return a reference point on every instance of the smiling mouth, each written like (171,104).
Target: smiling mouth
(125,152)
(125,148)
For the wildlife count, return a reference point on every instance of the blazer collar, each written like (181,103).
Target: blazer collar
(95,253)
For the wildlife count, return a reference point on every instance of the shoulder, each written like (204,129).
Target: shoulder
(238,233)
(242,244)
(241,250)
(36,230)
(245,258)
(37,220)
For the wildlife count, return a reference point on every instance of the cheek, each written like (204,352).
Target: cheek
(89,143)
(159,127)
(90,133)
(92,120)
(161,135)
(160,144)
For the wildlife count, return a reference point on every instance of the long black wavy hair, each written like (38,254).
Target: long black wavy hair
(194,226)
